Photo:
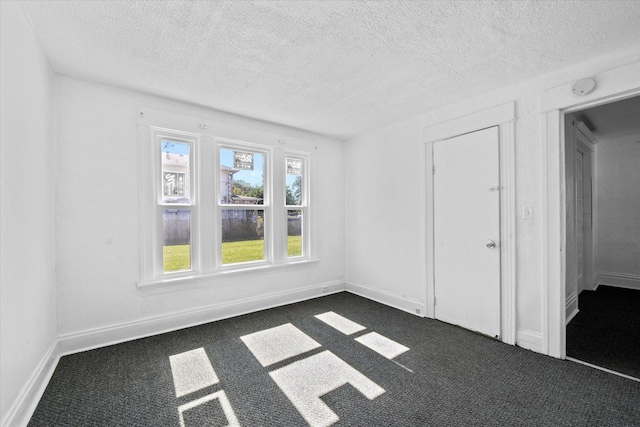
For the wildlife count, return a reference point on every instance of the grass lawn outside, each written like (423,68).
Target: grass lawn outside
(294,246)
(178,257)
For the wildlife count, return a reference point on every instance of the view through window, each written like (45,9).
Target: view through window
(241,189)
(294,197)
(175,205)
(221,205)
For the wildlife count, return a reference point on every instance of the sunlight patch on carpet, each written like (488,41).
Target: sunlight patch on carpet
(232,420)
(192,371)
(305,381)
(280,343)
(382,345)
(340,323)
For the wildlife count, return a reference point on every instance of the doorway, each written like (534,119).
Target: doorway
(611,85)
(603,243)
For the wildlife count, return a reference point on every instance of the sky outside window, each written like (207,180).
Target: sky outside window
(253,177)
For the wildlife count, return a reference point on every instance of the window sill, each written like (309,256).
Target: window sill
(182,282)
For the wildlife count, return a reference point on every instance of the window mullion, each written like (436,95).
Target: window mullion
(279,211)
(207,206)
(310,222)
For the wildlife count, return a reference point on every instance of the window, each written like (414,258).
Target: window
(211,205)
(295,205)
(242,188)
(175,202)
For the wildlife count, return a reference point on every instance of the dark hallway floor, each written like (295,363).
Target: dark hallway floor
(606,331)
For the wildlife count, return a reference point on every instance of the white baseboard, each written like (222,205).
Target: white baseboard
(530,340)
(571,307)
(571,315)
(101,337)
(22,408)
(618,280)
(418,308)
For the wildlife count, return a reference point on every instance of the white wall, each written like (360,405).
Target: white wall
(618,204)
(386,246)
(27,249)
(97,219)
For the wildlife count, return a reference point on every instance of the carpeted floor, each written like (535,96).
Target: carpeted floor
(447,377)
(606,331)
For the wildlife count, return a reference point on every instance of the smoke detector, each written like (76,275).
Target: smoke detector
(583,87)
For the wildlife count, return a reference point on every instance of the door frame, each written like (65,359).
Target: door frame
(612,85)
(502,116)
(585,144)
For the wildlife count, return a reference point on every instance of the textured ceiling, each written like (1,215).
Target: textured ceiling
(614,120)
(333,67)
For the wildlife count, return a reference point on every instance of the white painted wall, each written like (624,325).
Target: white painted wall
(97,215)
(386,235)
(27,227)
(618,204)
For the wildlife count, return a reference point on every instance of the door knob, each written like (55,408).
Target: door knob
(491,244)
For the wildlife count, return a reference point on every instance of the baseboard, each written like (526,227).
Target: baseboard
(530,340)
(418,308)
(571,307)
(618,280)
(22,408)
(101,337)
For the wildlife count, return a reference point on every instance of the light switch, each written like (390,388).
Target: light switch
(527,212)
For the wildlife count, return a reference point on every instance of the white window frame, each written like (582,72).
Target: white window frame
(206,207)
(267,206)
(304,206)
(152,204)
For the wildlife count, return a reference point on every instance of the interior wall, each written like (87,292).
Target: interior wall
(618,203)
(97,214)
(27,228)
(386,194)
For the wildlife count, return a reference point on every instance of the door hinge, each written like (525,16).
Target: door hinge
(433,169)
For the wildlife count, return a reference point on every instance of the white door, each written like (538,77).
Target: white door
(580,220)
(467,231)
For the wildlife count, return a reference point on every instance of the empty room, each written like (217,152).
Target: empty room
(318,213)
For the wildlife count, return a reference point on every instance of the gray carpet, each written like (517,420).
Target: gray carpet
(606,331)
(449,377)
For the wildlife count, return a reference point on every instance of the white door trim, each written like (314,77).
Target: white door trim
(502,116)
(612,85)
(585,143)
